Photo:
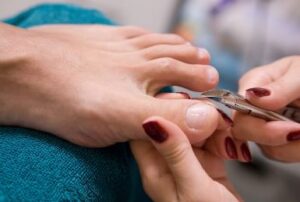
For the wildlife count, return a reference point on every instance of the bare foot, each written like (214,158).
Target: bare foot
(94,85)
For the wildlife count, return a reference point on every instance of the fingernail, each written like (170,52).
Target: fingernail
(155,131)
(258,92)
(230,148)
(226,118)
(196,115)
(212,75)
(203,53)
(186,95)
(294,136)
(246,152)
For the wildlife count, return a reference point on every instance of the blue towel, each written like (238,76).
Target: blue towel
(36,166)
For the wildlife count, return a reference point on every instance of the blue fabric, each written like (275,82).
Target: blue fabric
(58,14)
(36,166)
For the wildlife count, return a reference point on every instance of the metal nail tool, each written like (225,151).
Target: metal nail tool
(239,103)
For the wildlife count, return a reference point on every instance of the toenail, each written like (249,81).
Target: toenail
(212,75)
(203,53)
(196,115)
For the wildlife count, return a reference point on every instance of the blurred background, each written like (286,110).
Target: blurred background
(240,35)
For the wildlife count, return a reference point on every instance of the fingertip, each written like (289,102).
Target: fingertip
(264,98)
(245,152)
(175,149)
(257,92)
(155,131)
(223,145)
(230,148)
(160,130)
(273,133)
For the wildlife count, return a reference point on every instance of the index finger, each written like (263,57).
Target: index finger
(189,175)
(272,133)
(273,86)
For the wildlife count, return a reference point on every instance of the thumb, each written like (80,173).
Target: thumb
(189,176)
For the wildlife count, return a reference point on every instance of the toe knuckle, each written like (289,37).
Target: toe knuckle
(191,51)
(165,63)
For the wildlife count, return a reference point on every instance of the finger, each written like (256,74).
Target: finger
(152,39)
(167,71)
(223,145)
(147,158)
(225,120)
(185,53)
(270,88)
(288,153)
(244,152)
(154,171)
(175,148)
(296,103)
(226,183)
(275,95)
(267,133)
(215,168)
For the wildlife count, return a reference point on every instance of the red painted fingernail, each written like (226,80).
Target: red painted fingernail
(246,152)
(155,131)
(294,136)
(230,148)
(226,118)
(259,92)
(186,95)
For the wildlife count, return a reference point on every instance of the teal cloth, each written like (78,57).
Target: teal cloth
(36,166)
